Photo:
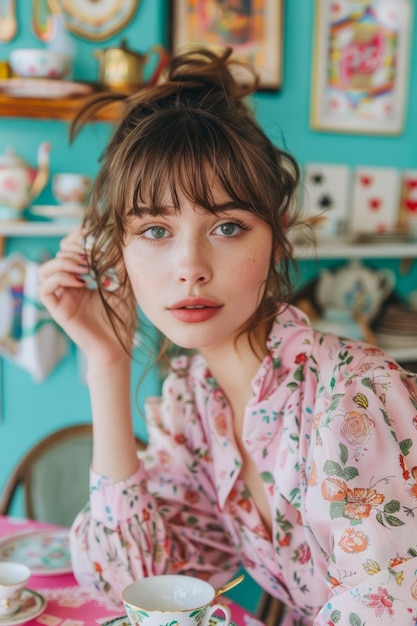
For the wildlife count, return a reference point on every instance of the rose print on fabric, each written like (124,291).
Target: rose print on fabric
(221,424)
(353,540)
(302,553)
(357,428)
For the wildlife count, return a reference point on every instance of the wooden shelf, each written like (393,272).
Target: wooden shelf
(51,109)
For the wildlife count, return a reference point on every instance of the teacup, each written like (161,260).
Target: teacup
(13,578)
(71,188)
(171,599)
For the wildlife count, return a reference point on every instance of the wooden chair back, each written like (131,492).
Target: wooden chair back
(54,476)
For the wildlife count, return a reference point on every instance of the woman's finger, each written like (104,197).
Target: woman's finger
(60,278)
(66,264)
(75,255)
(53,287)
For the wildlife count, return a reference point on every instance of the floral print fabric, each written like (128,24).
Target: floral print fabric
(331,426)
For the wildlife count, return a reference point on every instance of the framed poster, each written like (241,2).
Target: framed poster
(360,65)
(253,28)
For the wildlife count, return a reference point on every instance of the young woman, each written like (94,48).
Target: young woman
(273,446)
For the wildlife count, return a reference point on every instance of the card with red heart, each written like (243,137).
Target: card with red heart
(408,210)
(376,198)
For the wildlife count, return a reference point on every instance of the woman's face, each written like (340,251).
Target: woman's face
(198,277)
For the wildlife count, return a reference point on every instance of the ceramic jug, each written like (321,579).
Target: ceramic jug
(122,68)
(19,182)
(355,288)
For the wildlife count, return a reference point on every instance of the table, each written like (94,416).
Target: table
(68,604)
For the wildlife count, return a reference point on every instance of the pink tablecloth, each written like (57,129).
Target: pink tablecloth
(68,604)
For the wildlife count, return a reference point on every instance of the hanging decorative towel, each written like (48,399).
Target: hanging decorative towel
(28,335)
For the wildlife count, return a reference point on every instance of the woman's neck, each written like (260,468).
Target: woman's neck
(234,368)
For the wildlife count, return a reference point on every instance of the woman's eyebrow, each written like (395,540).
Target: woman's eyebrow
(231,205)
(142,210)
(166,210)
(228,205)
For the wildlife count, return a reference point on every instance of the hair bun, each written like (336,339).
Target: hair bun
(199,67)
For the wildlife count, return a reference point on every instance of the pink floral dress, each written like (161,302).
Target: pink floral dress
(331,426)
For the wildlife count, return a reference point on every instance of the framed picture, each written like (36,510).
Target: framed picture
(360,65)
(253,28)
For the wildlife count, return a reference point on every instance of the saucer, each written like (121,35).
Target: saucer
(33,605)
(43,88)
(61,212)
(123,620)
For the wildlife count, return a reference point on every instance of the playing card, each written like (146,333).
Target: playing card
(326,197)
(376,197)
(408,209)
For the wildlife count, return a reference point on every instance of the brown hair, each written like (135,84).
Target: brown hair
(177,135)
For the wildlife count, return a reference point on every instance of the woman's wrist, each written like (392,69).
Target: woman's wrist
(97,368)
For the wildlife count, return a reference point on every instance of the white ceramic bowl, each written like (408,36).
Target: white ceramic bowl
(71,188)
(40,63)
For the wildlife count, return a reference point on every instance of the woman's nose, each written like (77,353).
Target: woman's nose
(193,266)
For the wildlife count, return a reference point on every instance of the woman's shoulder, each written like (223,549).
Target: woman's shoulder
(326,355)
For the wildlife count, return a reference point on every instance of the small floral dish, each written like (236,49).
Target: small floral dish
(40,63)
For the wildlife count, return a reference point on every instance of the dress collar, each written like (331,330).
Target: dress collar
(276,385)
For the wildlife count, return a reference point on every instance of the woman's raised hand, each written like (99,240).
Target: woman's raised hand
(77,309)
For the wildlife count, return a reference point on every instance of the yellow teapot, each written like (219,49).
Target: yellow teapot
(122,69)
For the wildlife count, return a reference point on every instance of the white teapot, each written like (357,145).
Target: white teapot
(355,288)
(19,182)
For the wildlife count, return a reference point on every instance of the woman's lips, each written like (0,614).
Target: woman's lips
(194,311)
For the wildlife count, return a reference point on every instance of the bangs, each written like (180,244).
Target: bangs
(177,153)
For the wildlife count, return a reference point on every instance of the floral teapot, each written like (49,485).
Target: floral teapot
(355,288)
(19,182)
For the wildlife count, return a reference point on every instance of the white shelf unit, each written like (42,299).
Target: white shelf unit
(335,249)
(21,228)
(403,354)
(342,249)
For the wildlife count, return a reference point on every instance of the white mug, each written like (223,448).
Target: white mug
(167,599)
(13,578)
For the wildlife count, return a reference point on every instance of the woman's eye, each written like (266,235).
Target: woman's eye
(155,232)
(229,229)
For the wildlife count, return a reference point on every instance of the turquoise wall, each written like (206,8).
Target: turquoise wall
(30,410)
